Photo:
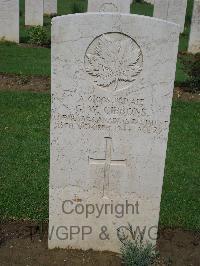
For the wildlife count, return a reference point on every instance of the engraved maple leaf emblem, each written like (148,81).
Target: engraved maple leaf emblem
(113,58)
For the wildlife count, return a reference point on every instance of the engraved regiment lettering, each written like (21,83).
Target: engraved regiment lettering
(111,104)
(107,163)
(113,60)
(118,113)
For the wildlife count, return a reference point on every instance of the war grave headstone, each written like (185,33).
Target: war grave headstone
(112,89)
(194,40)
(34,10)
(50,7)
(109,6)
(171,10)
(9,20)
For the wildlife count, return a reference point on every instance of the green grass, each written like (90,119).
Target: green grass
(180,199)
(24,160)
(24,136)
(142,9)
(73,6)
(24,29)
(64,7)
(26,61)
(24,155)
(36,61)
(181,76)
(70,7)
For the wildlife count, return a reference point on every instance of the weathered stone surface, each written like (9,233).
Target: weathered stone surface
(171,10)
(194,41)
(149,1)
(112,89)
(9,20)
(50,7)
(34,10)
(109,6)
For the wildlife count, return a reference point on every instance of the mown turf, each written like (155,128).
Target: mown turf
(74,6)
(180,199)
(24,160)
(181,76)
(24,154)
(36,61)
(25,61)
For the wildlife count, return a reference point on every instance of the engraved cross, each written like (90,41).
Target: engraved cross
(107,163)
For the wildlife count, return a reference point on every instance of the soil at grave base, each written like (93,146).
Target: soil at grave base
(22,244)
(14,82)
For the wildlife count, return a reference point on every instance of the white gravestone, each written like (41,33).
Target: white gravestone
(194,41)
(150,1)
(9,20)
(50,7)
(112,89)
(34,10)
(171,10)
(120,6)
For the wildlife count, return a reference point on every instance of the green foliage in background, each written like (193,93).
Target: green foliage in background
(27,61)
(135,253)
(38,35)
(191,65)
